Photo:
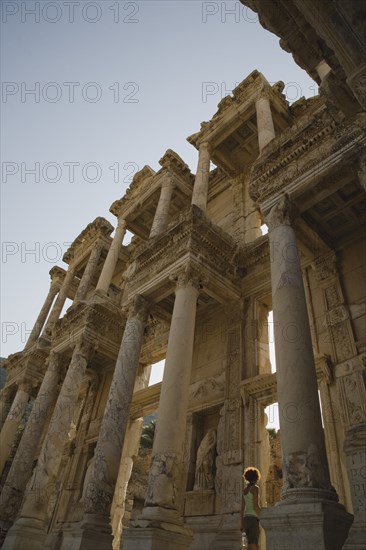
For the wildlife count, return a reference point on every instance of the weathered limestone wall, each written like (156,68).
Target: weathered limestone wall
(210,346)
(352,272)
(220,210)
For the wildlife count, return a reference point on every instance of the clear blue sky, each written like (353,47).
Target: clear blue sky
(116,84)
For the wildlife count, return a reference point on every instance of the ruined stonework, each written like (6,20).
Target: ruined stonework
(195,287)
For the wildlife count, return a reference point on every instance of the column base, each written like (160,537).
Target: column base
(92,533)
(26,534)
(156,529)
(229,535)
(323,525)
(356,538)
(154,538)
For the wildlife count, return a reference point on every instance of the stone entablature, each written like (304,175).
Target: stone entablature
(232,110)
(155,198)
(193,238)
(26,366)
(315,145)
(97,322)
(141,184)
(172,162)
(99,229)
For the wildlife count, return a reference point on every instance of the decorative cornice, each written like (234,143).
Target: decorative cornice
(141,181)
(192,233)
(100,227)
(174,164)
(314,138)
(95,319)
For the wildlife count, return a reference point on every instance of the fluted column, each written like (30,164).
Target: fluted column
(60,301)
(162,211)
(6,400)
(12,422)
(160,515)
(307,491)
(22,465)
(200,189)
(102,477)
(89,272)
(28,532)
(38,325)
(111,260)
(265,125)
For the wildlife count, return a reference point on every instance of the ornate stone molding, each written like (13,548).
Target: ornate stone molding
(192,234)
(316,139)
(99,227)
(140,183)
(325,266)
(351,391)
(207,390)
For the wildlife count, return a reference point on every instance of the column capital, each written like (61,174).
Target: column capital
(264,93)
(138,307)
(121,223)
(26,385)
(204,145)
(86,347)
(57,275)
(188,276)
(283,213)
(168,182)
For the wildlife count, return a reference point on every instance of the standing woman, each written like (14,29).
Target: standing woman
(250,508)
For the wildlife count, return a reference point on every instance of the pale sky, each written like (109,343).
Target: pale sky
(92,92)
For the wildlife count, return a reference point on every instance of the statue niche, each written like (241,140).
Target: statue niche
(204,473)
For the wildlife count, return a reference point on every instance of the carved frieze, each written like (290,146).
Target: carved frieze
(351,391)
(207,390)
(97,319)
(316,136)
(192,235)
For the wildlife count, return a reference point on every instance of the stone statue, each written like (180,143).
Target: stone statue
(204,476)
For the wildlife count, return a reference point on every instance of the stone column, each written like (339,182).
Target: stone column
(59,303)
(12,422)
(160,525)
(95,531)
(322,69)
(22,465)
(29,531)
(252,223)
(307,492)
(162,211)
(38,325)
(110,263)
(6,399)
(200,189)
(89,272)
(265,125)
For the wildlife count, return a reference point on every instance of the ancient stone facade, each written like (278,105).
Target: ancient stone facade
(195,287)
